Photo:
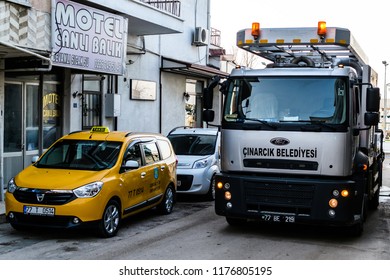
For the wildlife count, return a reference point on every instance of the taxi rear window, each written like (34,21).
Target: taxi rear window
(81,154)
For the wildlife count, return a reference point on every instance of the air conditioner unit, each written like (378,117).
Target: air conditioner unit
(201,36)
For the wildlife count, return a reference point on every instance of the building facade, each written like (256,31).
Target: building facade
(126,64)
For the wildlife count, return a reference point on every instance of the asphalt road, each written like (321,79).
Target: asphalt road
(194,232)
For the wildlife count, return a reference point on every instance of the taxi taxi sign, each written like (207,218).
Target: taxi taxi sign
(100,129)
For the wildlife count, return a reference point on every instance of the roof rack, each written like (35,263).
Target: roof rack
(283,45)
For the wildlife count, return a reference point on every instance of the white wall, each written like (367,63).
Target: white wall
(145,62)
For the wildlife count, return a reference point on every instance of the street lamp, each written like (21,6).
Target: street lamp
(385,101)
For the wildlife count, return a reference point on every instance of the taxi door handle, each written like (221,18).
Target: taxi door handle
(143,174)
(162,167)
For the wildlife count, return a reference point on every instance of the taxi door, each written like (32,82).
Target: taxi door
(133,180)
(153,171)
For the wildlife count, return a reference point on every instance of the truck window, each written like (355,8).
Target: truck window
(287,99)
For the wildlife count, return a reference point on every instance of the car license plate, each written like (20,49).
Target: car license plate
(37,210)
(278,218)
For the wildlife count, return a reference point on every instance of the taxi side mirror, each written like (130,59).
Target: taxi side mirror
(130,164)
(34,159)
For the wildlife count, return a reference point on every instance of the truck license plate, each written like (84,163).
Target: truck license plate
(39,211)
(278,218)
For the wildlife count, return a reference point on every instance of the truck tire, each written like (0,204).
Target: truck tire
(210,196)
(374,202)
(235,222)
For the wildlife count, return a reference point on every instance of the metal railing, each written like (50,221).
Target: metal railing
(215,37)
(170,6)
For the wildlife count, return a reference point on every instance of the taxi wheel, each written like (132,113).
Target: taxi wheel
(166,205)
(109,224)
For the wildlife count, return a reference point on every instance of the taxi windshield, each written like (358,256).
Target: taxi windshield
(81,155)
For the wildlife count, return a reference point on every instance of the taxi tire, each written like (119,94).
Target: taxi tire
(109,224)
(166,205)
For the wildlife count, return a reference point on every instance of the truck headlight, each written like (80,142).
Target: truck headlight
(89,190)
(201,164)
(11,188)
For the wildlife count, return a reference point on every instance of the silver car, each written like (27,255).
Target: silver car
(197,150)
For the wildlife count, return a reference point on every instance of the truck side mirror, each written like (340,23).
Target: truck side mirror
(372,100)
(371,118)
(208,115)
(207,98)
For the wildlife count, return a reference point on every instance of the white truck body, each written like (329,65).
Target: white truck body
(300,139)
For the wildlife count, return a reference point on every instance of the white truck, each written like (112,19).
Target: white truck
(300,141)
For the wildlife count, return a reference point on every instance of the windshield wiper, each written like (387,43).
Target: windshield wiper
(320,123)
(260,121)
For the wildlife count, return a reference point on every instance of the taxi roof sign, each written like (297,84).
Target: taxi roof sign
(100,129)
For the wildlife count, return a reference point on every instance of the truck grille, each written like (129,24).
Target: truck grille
(281,164)
(279,197)
(44,197)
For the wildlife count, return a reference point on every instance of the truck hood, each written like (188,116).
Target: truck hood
(58,179)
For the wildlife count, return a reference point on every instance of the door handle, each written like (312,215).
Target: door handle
(162,167)
(143,174)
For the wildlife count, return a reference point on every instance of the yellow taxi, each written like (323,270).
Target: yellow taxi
(94,178)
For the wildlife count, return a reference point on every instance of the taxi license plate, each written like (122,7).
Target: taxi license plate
(39,211)
(276,218)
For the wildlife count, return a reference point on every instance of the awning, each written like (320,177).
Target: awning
(8,50)
(190,69)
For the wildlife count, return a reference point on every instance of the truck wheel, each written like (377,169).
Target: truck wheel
(211,192)
(235,222)
(109,224)
(357,229)
(374,202)
(166,205)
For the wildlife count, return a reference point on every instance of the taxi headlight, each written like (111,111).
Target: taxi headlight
(11,188)
(201,164)
(89,190)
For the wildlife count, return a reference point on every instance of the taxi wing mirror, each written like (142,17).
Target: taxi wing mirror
(131,164)
(34,159)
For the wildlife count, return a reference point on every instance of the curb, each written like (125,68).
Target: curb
(2,218)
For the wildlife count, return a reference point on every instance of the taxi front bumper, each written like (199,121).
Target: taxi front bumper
(78,212)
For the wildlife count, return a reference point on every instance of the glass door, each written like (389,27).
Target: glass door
(21,126)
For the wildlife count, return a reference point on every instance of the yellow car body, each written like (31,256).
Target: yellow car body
(96,178)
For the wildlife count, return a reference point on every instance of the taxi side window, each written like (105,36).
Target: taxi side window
(133,153)
(165,149)
(151,153)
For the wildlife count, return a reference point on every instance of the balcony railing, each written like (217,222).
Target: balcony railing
(215,37)
(169,6)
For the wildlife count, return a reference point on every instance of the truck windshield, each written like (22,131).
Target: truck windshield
(81,154)
(287,99)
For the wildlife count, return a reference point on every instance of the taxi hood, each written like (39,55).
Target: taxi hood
(57,179)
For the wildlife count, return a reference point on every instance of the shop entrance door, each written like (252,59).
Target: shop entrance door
(21,126)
